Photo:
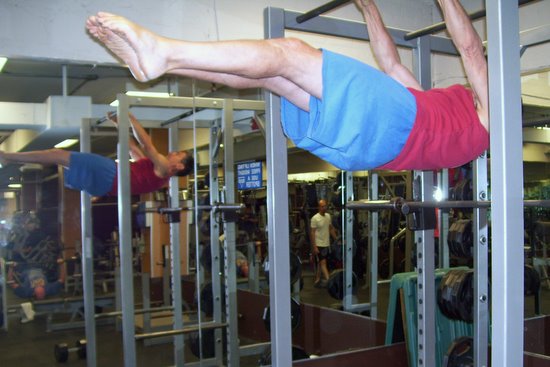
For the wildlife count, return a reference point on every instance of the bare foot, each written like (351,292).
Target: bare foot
(139,48)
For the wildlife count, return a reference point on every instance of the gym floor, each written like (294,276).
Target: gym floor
(29,345)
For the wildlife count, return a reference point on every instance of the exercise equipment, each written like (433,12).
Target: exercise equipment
(62,351)
(295,316)
(297,354)
(460,353)
(455,295)
(207,300)
(208,343)
(295,268)
(531,281)
(460,238)
(336,284)
(462,190)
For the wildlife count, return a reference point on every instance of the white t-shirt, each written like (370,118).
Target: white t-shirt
(321,223)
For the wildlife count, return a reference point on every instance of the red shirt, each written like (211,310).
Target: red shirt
(447,131)
(142,178)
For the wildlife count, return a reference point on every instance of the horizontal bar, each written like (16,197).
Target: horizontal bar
(181,116)
(441,25)
(215,207)
(253,349)
(136,312)
(399,204)
(320,10)
(104,118)
(185,330)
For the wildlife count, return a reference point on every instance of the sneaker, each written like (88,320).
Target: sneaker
(27,313)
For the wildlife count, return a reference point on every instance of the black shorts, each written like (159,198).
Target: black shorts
(324,252)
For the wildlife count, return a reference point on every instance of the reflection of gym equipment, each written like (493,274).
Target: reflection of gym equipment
(295,316)
(460,238)
(297,354)
(336,284)
(62,351)
(295,268)
(460,353)
(455,295)
(541,241)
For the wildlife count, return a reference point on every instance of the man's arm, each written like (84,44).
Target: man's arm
(135,151)
(314,249)
(145,147)
(469,46)
(149,149)
(383,47)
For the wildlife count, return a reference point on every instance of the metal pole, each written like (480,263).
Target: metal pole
(321,10)
(125,233)
(180,332)
(481,265)
(425,291)
(277,214)
(4,294)
(426,330)
(215,267)
(175,255)
(347,245)
(229,242)
(443,184)
(373,248)
(87,257)
(506,184)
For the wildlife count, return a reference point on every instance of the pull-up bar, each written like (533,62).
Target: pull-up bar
(320,10)
(409,36)
(181,116)
(441,25)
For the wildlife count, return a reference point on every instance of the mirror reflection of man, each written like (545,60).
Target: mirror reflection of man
(321,231)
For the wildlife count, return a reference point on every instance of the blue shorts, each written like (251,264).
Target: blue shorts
(362,121)
(90,172)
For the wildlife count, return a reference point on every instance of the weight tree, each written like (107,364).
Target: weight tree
(507,199)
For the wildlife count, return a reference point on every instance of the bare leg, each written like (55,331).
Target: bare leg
(149,56)
(277,85)
(324,269)
(50,156)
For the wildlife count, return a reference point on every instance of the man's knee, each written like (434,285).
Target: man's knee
(290,46)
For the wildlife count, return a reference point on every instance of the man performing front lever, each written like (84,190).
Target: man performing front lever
(97,175)
(342,110)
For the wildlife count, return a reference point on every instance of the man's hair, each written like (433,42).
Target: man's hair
(188,162)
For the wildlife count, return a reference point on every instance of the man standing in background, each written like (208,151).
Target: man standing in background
(321,230)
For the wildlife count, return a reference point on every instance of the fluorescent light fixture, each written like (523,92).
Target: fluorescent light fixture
(15,186)
(134,93)
(3,61)
(66,143)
